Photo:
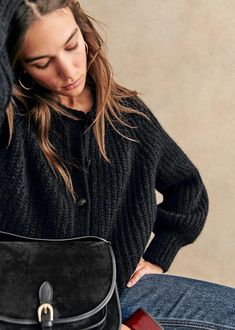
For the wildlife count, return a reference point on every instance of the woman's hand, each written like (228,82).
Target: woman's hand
(143,267)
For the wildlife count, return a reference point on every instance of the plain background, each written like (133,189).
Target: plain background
(180,55)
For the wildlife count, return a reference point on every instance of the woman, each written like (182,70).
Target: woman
(82,155)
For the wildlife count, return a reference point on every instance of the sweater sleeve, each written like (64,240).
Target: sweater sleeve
(5,93)
(182,214)
(7,10)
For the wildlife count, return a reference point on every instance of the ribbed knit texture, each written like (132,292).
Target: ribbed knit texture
(120,197)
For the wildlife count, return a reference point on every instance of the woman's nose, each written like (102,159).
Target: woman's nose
(66,70)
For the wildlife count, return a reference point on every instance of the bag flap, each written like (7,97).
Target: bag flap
(81,271)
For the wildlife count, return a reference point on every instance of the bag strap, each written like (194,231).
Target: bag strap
(45,310)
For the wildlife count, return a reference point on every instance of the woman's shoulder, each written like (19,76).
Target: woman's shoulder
(144,126)
(142,115)
(135,102)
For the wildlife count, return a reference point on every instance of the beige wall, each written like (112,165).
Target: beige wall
(180,54)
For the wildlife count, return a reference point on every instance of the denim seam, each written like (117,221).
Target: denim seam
(187,325)
(198,324)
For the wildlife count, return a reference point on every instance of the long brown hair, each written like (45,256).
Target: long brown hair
(37,103)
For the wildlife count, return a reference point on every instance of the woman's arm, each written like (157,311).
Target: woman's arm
(182,214)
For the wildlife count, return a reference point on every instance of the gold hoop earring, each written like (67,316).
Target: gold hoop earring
(86,46)
(23,86)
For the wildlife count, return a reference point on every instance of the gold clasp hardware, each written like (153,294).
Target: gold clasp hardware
(44,308)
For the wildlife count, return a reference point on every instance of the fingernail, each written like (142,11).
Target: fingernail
(129,284)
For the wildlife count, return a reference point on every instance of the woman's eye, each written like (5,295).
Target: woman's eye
(73,47)
(41,67)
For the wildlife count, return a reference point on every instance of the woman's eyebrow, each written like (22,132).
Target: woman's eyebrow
(31,59)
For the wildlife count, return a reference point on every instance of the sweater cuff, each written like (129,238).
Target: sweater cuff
(163,249)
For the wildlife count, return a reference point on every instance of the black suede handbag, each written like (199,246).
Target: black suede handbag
(57,284)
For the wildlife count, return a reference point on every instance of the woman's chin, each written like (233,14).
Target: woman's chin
(72,93)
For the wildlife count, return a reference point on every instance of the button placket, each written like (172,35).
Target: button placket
(82,201)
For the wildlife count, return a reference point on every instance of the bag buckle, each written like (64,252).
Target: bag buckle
(43,309)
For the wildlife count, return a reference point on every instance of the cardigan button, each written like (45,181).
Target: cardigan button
(87,162)
(81,201)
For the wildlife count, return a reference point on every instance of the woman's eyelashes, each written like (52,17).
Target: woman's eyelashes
(41,67)
(72,48)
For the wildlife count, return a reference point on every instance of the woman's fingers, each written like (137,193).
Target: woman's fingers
(143,267)
(135,277)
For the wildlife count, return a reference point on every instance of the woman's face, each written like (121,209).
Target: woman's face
(54,53)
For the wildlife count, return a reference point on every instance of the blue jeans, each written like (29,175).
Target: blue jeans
(181,303)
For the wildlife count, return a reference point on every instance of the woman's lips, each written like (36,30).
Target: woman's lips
(73,85)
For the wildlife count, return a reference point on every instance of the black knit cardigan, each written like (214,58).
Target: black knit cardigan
(117,200)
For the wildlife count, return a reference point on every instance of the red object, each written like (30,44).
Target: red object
(141,320)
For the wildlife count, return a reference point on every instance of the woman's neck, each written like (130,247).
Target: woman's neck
(82,103)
